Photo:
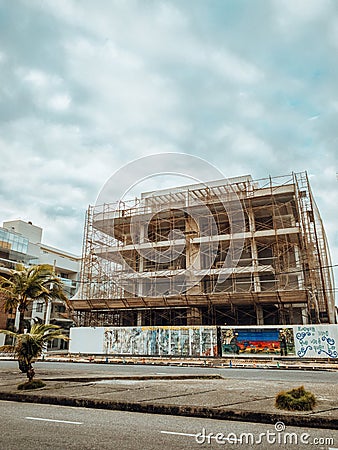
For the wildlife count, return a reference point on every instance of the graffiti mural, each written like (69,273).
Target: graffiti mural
(163,342)
(157,341)
(316,341)
(257,340)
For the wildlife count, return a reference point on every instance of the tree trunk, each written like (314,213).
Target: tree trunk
(30,373)
(22,322)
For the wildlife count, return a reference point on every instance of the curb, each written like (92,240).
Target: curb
(175,410)
(135,377)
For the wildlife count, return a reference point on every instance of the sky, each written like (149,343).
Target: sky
(86,87)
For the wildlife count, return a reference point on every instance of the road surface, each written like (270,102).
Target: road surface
(26,426)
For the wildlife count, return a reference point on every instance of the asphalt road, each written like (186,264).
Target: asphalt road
(26,426)
(126,369)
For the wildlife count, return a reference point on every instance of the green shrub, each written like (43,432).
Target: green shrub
(35,384)
(297,399)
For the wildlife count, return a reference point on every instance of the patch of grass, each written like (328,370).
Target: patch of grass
(297,399)
(35,384)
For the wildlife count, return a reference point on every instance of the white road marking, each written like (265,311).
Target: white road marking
(178,434)
(53,420)
(161,373)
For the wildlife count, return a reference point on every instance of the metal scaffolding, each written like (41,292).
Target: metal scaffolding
(233,251)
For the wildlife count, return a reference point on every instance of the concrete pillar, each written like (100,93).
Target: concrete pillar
(140,290)
(48,312)
(299,267)
(291,318)
(305,318)
(194,316)
(17,319)
(254,253)
(254,256)
(193,255)
(259,315)
(139,318)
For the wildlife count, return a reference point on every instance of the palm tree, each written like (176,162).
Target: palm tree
(29,346)
(27,284)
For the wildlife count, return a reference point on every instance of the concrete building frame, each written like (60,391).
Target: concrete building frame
(168,257)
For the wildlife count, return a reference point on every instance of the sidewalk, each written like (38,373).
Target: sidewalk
(209,396)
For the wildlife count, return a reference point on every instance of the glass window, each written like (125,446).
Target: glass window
(13,241)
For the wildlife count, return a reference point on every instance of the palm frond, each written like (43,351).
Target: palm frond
(9,333)
(28,284)
(41,328)
(29,346)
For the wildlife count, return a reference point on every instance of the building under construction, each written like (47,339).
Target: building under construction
(234,252)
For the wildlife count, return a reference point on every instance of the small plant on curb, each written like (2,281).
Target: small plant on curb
(297,399)
(34,384)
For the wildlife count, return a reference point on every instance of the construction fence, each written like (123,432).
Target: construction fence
(310,341)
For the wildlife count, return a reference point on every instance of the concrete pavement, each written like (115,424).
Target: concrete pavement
(208,396)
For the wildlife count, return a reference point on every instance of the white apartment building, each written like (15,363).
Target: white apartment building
(21,242)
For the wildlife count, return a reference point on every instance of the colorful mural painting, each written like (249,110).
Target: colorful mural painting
(257,340)
(316,341)
(166,341)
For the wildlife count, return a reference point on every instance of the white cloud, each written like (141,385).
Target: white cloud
(36,78)
(128,93)
(59,102)
(243,144)
(290,13)
(333,32)
(44,88)
(233,67)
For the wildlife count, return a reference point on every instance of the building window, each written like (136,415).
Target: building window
(39,307)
